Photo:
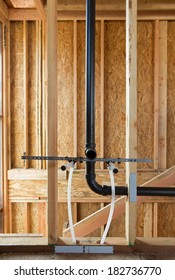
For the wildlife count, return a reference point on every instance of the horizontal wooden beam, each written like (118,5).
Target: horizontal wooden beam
(33,14)
(33,174)
(23,14)
(99,218)
(116,5)
(3,10)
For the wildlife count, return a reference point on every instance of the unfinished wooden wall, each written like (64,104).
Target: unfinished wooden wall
(29,205)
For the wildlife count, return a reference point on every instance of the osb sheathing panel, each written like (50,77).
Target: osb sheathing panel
(114,71)
(65,89)
(171,96)
(81,86)
(166,224)
(32,136)
(145,117)
(17,93)
(18,218)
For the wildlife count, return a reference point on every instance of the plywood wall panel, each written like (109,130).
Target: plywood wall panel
(17,94)
(171,96)
(18,218)
(65,89)
(32,132)
(81,87)
(145,118)
(34,225)
(97,88)
(114,131)
(166,224)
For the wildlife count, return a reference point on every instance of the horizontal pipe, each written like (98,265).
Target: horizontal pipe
(141,191)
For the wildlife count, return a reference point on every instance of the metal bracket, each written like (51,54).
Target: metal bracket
(84,249)
(133,187)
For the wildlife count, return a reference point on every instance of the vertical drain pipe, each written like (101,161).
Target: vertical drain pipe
(90,150)
(90,79)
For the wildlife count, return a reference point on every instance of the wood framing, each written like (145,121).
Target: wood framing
(32,14)
(99,218)
(23,4)
(116,5)
(23,14)
(52,119)
(162,124)
(75,88)
(3,11)
(40,9)
(102,94)
(39,91)
(156,94)
(25,80)
(131,115)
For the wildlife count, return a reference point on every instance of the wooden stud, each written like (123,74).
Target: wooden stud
(6,116)
(155,224)
(102,95)
(162,129)
(102,205)
(39,92)
(10,226)
(25,86)
(131,113)
(75,87)
(75,212)
(52,119)
(1,118)
(44,90)
(148,220)
(42,218)
(156,93)
(27,217)
(40,9)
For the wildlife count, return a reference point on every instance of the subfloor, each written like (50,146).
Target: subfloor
(115,256)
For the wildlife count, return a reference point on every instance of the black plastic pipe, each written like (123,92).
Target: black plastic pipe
(90,150)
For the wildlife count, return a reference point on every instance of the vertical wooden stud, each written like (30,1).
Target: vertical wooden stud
(155,224)
(102,95)
(52,119)
(156,93)
(27,217)
(44,92)
(162,130)
(131,117)
(25,81)
(75,86)
(39,91)
(6,124)
(148,220)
